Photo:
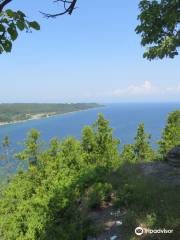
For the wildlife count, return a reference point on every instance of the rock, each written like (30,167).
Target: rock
(113,237)
(118,223)
(173,157)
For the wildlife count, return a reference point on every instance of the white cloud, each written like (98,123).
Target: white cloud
(173,89)
(144,91)
(145,88)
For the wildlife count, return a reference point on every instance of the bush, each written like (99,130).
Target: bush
(125,196)
(98,194)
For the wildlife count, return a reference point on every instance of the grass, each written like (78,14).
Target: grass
(149,203)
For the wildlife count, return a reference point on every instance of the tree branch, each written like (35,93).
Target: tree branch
(3,4)
(67,10)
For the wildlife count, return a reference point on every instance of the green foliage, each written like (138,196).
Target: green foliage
(99,145)
(32,148)
(11,22)
(125,196)
(71,153)
(43,200)
(159,28)
(171,134)
(51,198)
(24,111)
(98,194)
(142,148)
(5,142)
(149,203)
(128,154)
(54,147)
(106,146)
(88,140)
(7,166)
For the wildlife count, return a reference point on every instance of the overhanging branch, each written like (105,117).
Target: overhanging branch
(3,3)
(69,7)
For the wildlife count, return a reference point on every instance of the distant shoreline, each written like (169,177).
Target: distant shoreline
(33,117)
(44,116)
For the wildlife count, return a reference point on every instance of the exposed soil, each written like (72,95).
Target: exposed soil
(109,222)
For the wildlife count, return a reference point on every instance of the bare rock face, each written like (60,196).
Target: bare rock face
(173,157)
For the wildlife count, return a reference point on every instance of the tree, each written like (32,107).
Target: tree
(89,144)
(128,154)
(38,203)
(54,148)
(99,145)
(49,200)
(69,6)
(159,25)
(43,201)
(31,152)
(71,153)
(142,148)
(171,134)
(11,22)
(5,158)
(106,150)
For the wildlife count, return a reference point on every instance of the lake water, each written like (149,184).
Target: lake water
(124,118)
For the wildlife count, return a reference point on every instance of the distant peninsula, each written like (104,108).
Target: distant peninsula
(19,112)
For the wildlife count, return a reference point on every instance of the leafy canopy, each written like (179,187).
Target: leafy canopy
(159,26)
(42,200)
(11,23)
(48,199)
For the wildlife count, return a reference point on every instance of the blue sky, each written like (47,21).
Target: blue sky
(93,55)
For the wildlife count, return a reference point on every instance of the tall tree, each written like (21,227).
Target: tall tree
(142,148)
(107,153)
(32,150)
(5,158)
(159,28)
(171,134)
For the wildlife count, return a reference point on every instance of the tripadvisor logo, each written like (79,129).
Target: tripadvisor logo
(139,231)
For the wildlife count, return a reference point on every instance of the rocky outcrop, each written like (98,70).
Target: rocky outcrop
(162,171)
(173,157)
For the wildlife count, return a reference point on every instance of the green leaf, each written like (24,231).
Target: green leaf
(7,45)
(2,28)
(21,14)
(21,25)
(13,32)
(5,20)
(1,49)
(34,25)
(10,13)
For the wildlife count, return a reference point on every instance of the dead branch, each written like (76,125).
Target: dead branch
(68,5)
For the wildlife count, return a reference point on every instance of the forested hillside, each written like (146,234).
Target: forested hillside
(87,189)
(24,111)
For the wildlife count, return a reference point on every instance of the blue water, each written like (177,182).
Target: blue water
(124,118)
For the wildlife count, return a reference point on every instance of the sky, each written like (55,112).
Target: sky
(92,56)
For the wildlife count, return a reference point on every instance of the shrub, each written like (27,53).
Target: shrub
(125,195)
(98,194)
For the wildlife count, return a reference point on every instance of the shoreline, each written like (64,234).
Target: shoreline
(41,116)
